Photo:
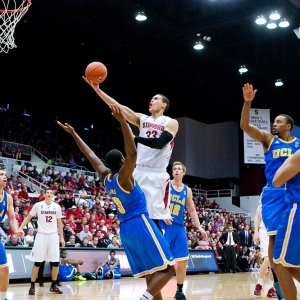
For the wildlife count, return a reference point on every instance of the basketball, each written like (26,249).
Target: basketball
(96,72)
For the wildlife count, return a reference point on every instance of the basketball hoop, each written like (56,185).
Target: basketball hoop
(10,14)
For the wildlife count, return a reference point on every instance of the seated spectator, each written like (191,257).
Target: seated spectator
(46,177)
(93,227)
(109,269)
(242,259)
(84,233)
(95,242)
(110,220)
(14,242)
(69,268)
(34,173)
(72,242)
(18,183)
(42,195)
(91,201)
(19,216)
(57,199)
(68,232)
(72,164)
(111,210)
(31,189)
(102,226)
(68,202)
(23,194)
(114,243)
(29,238)
(85,243)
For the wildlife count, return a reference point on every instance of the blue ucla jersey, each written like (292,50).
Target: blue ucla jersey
(279,150)
(129,204)
(3,206)
(178,201)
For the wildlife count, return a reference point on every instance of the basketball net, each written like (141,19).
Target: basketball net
(11,13)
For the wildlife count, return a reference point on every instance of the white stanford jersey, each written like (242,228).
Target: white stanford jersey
(47,216)
(149,157)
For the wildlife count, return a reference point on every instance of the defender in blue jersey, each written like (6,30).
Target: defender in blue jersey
(146,249)
(277,148)
(287,244)
(181,198)
(6,208)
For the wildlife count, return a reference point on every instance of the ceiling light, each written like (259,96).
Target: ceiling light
(271,25)
(278,82)
(284,23)
(260,20)
(198,46)
(141,16)
(274,15)
(243,69)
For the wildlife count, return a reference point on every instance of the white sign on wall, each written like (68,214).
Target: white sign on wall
(253,150)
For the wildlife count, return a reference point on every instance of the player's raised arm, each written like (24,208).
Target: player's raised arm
(288,169)
(85,149)
(130,115)
(261,136)
(125,172)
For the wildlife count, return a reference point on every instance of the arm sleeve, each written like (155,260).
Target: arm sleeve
(156,143)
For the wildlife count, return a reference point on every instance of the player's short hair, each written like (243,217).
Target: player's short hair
(289,120)
(113,158)
(48,189)
(112,251)
(176,163)
(165,100)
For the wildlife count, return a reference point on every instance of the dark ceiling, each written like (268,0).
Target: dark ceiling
(56,39)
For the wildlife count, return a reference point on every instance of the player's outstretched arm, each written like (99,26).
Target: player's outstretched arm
(255,133)
(193,213)
(89,154)
(130,115)
(257,218)
(287,170)
(125,172)
(61,232)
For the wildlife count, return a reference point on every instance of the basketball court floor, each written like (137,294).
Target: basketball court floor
(205,286)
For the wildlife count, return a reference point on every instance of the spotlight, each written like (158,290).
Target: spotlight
(284,23)
(274,15)
(141,16)
(278,82)
(271,25)
(198,46)
(260,20)
(243,69)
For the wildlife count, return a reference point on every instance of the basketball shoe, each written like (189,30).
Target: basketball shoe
(257,291)
(55,289)
(31,291)
(79,277)
(179,296)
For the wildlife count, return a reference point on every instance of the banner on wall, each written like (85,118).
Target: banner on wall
(253,150)
(20,266)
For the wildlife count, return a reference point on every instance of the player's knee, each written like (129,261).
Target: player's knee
(37,264)
(54,264)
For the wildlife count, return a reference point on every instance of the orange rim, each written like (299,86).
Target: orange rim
(10,11)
